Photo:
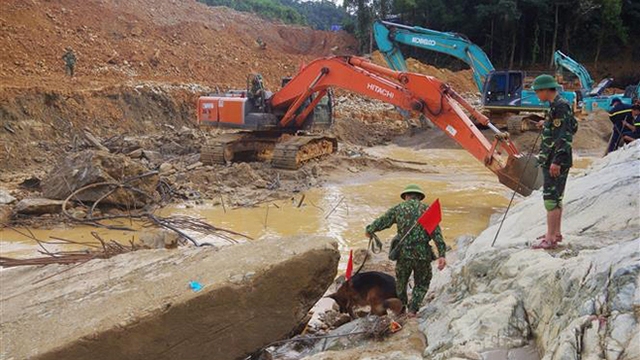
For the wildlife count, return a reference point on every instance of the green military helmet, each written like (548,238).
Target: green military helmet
(544,82)
(413,189)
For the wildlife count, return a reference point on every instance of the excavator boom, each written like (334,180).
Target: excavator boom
(388,35)
(502,91)
(412,92)
(561,60)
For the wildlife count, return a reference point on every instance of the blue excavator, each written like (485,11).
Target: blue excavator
(590,97)
(503,91)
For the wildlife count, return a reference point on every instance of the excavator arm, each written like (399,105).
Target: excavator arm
(388,35)
(417,93)
(561,60)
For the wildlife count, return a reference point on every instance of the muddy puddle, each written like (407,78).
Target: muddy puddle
(341,209)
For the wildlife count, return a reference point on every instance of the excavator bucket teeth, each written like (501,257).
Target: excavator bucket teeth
(521,174)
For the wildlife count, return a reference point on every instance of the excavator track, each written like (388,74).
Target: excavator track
(219,150)
(290,153)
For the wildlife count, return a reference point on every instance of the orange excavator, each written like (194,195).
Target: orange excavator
(275,121)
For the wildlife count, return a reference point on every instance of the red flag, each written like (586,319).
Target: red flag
(432,217)
(349,265)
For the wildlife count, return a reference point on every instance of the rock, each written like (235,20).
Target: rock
(583,296)
(90,167)
(407,344)
(260,184)
(159,239)
(79,214)
(194,166)
(475,324)
(38,206)
(5,215)
(184,130)
(136,31)
(165,168)
(139,305)
(6,198)
(154,157)
(135,154)
(584,194)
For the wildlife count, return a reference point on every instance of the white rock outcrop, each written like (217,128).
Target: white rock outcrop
(580,301)
(577,302)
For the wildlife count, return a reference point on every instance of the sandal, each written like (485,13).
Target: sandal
(544,244)
(558,239)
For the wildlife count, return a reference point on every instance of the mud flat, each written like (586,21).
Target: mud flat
(142,306)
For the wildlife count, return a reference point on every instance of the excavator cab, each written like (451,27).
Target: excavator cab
(323,113)
(321,117)
(503,89)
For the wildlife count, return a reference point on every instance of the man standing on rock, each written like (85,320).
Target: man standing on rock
(414,253)
(69,58)
(555,156)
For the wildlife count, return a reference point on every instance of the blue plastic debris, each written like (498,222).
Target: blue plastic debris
(195,286)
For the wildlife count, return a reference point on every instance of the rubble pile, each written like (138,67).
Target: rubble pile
(86,168)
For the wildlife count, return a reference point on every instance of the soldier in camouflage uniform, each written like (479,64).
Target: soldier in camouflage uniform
(69,58)
(415,254)
(555,156)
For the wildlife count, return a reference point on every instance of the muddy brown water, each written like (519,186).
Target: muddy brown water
(341,209)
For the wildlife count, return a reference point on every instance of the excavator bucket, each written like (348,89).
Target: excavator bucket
(521,174)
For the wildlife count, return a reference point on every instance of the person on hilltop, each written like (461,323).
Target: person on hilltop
(555,156)
(69,58)
(414,254)
(261,43)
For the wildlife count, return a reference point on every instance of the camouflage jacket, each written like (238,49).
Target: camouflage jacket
(69,58)
(416,244)
(557,135)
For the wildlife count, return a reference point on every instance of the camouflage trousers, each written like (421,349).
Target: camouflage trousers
(421,270)
(553,190)
(70,68)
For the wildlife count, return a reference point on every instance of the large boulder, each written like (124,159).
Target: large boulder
(578,302)
(38,206)
(90,167)
(140,305)
(5,197)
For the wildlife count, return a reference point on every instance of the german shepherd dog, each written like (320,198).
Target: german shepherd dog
(373,288)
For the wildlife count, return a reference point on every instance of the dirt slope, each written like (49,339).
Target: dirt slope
(138,65)
(163,40)
(461,81)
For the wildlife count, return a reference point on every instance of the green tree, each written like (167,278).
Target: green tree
(364,13)
(270,9)
(319,14)
(610,25)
